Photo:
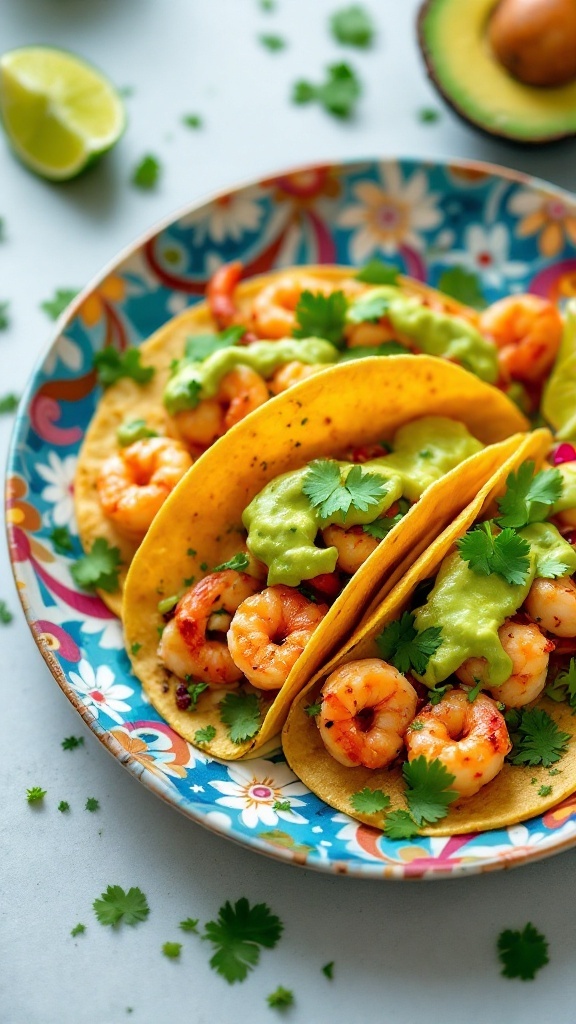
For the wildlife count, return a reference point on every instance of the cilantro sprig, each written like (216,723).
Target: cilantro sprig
(528,496)
(563,687)
(403,646)
(241,713)
(321,316)
(462,285)
(400,825)
(116,905)
(428,795)
(147,172)
(352,26)
(62,298)
(199,346)
(368,308)
(35,794)
(329,493)
(338,94)
(99,568)
(536,738)
(62,540)
(281,999)
(72,742)
(370,801)
(172,950)
(112,365)
(8,403)
(238,562)
(522,953)
(378,272)
(238,934)
(503,553)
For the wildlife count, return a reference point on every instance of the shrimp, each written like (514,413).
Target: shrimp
(273,309)
(220,294)
(185,648)
(291,373)
(368,333)
(240,392)
(269,632)
(133,484)
(354,546)
(366,709)
(527,331)
(529,650)
(552,604)
(470,739)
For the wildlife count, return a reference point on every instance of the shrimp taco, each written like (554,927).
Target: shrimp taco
(451,709)
(212,365)
(270,550)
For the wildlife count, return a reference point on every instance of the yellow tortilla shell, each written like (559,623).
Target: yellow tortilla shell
(512,796)
(347,405)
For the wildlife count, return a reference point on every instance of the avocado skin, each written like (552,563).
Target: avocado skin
(526,143)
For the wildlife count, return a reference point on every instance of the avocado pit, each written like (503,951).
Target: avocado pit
(535,40)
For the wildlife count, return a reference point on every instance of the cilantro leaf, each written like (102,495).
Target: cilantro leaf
(281,998)
(328,970)
(35,794)
(544,791)
(116,905)
(134,648)
(429,115)
(8,403)
(321,316)
(78,929)
(368,307)
(133,430)
(205,735)
(99,568)
(192,120)
(241,713)
(172,950)
(522,953)
(194,691)
(92,804)
(537,739)
(146,173)
(62,540)
(401,644)
(313,709)
(436,693)
(239,562)
(199,346)
(272,43)
(237,935)
(380,528)
(370,801)
(6,616)
(563,687)
(400,825)
(550,567)
(71,742)
(428,796)
(504,553)
(378,272)
(528,497)
(462,285)
(63,806)
(190,924)
(62,298)
(338,94)
(111,366)
(4,318)
(352,26)
(327,492)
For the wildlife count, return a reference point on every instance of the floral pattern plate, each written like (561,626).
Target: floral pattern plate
(514,232)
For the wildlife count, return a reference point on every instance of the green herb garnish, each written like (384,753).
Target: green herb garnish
(504,553)
(400,825)
(370,801)
(352,26)
(99,568)
(241,713)
(116,905)
(329,493)
(205,735)
(35,794)
(8,404)
(172,950)
(62,299)
(238,934)
(428,795)
(72,742)
(238,562)
(281,999)
(321,316)
(111,366)
(401,644)
(537,739)
(338,94)
(529,496)
(146,174)
(522,953)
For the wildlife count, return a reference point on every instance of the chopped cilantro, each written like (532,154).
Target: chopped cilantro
(5,613)
(63,806)
(429,115)
(241,713)
(436,693)
(537,739)
(380,528)
(92,804)
(416,725)
(400,825)
(528,497)
(272,42)
(313,709)
(111,366)
(194,690)
(172,950)
(368,307)
(35,794)
(504,553)
(146,174)
(72,742)
(99,568)
(134,648)
(321,316)
(549,568)
(544,790)
(555,771)
(401,644)
(563,687)
(328,970)
(239,562)
(522,953)
(191,552)
(199,346)
(428,795)
(352,26)
(237,935)
(205,735)
(116,905)
(475,690)
(62,298)
(78,929)
(4,318)
(8,403)
(133,430)
(370,801)
(192,120)
(190,924)
(204,565)
(378,272)
(62,540)
(462,285)
(327,492)
(338,94)
(281,999)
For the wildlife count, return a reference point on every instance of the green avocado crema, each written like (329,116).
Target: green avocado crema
(192,381)
(282,524)
(470,608)
(436,333)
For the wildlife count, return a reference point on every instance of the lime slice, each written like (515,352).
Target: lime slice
(59,113)
(558,403)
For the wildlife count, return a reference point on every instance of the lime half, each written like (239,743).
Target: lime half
(59,113)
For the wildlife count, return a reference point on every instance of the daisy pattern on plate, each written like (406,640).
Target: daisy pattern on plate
(548,217)
(486,253)
(98,691)
(66,350)
(228,216)
(59,476)
(390,214)
(256,788)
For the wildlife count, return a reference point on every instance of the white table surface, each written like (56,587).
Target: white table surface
(403,952)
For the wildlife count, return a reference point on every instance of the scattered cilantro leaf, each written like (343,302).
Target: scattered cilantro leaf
(528,496)
(474,691)
(272,43)
(370,801)
(35,794)
(199,346)
(504,553)
(281,999)
(549,568)
(563,687)
(462,285)
(313,709)
(436,693)
(134,648)
(338,94)
(8,404)
(172,950)
(327,492)
(146,174)
(400,825)
(111,366)
(522,953)
(116,905)
(544,790)
(401,644)
(429,115)
(352,26)
(368,307)
(378,272)
(71,742)
(237,935)
(194,691)
(537,739)
(6,616)
(380,528)
(62,540)
(78,929)
(321,316)
(92,804)
(428,796)
(192,120)
(241,713)
(190,924)
(62,298)
(63,806)
(328,970)
(205,735)
(239,562)
(416,725)
(281,805)
(4,318)
(99,568)
(131,431)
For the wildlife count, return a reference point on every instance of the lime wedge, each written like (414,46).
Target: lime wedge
(558,403)
(59,113)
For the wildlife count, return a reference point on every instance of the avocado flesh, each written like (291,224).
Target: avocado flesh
(453,38)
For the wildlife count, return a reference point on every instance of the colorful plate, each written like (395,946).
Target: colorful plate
(516,233)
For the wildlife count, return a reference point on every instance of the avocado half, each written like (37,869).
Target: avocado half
(454,41)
